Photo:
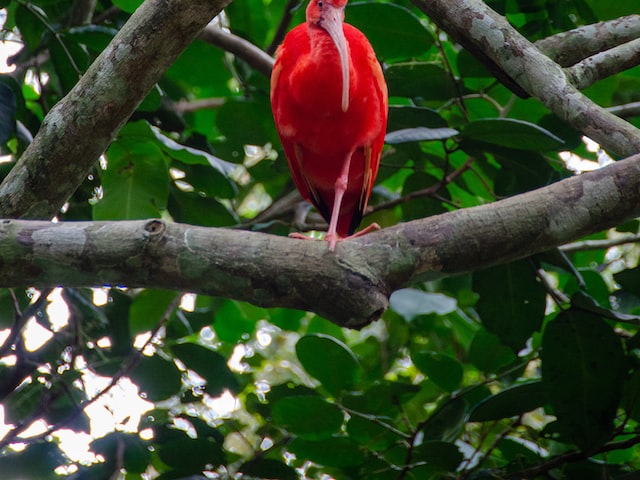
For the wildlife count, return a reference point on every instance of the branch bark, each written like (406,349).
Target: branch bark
(604,64)
(568,48)
(80,127)
(484,32)
(351,286)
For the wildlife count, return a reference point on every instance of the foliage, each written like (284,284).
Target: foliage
(524,370)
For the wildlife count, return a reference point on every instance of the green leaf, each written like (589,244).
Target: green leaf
(445,424)
(512,302)
(32,23)
(64,408)
(522,171)
(394,32)
(444,455)
(419,80)
(488,353)
(629,279)
(69,59)
(419,134)
(94,37)
(196,209)
(583,370)
(510,402)
(374,435)
(117,448)
(148,308)
(443,370)
(157,378)
(309,417)
(117,312)
(246,123)
(249,19)
(210,365)
(470,67)
(329,361)
(585,302)
(191,455)
(512,133)
(209,79)
(410,303)
(422,206)
(268,469)
(401,117)
(518,452)
(232,323)
(128,6)
(220,169)
(7,113)
(382,399)
(36,461)
(612,10)
(337,452)
(135,183)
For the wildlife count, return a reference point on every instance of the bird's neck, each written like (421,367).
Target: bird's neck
(326,65)
(321,45)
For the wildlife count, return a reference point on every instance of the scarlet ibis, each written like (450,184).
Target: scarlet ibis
(329,102)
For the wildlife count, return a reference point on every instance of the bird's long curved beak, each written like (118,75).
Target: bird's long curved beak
(332,21)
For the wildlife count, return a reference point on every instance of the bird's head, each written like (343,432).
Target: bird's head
(329,15)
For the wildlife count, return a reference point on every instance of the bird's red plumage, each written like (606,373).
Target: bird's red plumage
(316,133)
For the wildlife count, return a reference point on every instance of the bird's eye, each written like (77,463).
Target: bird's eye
(320,4)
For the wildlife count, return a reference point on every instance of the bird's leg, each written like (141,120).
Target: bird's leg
(340,187)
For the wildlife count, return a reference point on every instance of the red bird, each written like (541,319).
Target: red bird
(329,102)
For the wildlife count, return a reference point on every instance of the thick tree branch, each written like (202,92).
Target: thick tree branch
(350,286)
(481,30)
(80,127)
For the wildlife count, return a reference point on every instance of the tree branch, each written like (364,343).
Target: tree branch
(627,110)
(80,127)
(350,286)
(568,48)
(482,31)
(604,64)
(240,47)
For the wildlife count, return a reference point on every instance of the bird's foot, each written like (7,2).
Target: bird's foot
(333,237)
(364,231)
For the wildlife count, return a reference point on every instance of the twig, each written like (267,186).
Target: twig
(586,245)
(21,319)
(571,457)
(627,110)
(425,192)
(377,421)
(106,15)
(185,106)
(466,471)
